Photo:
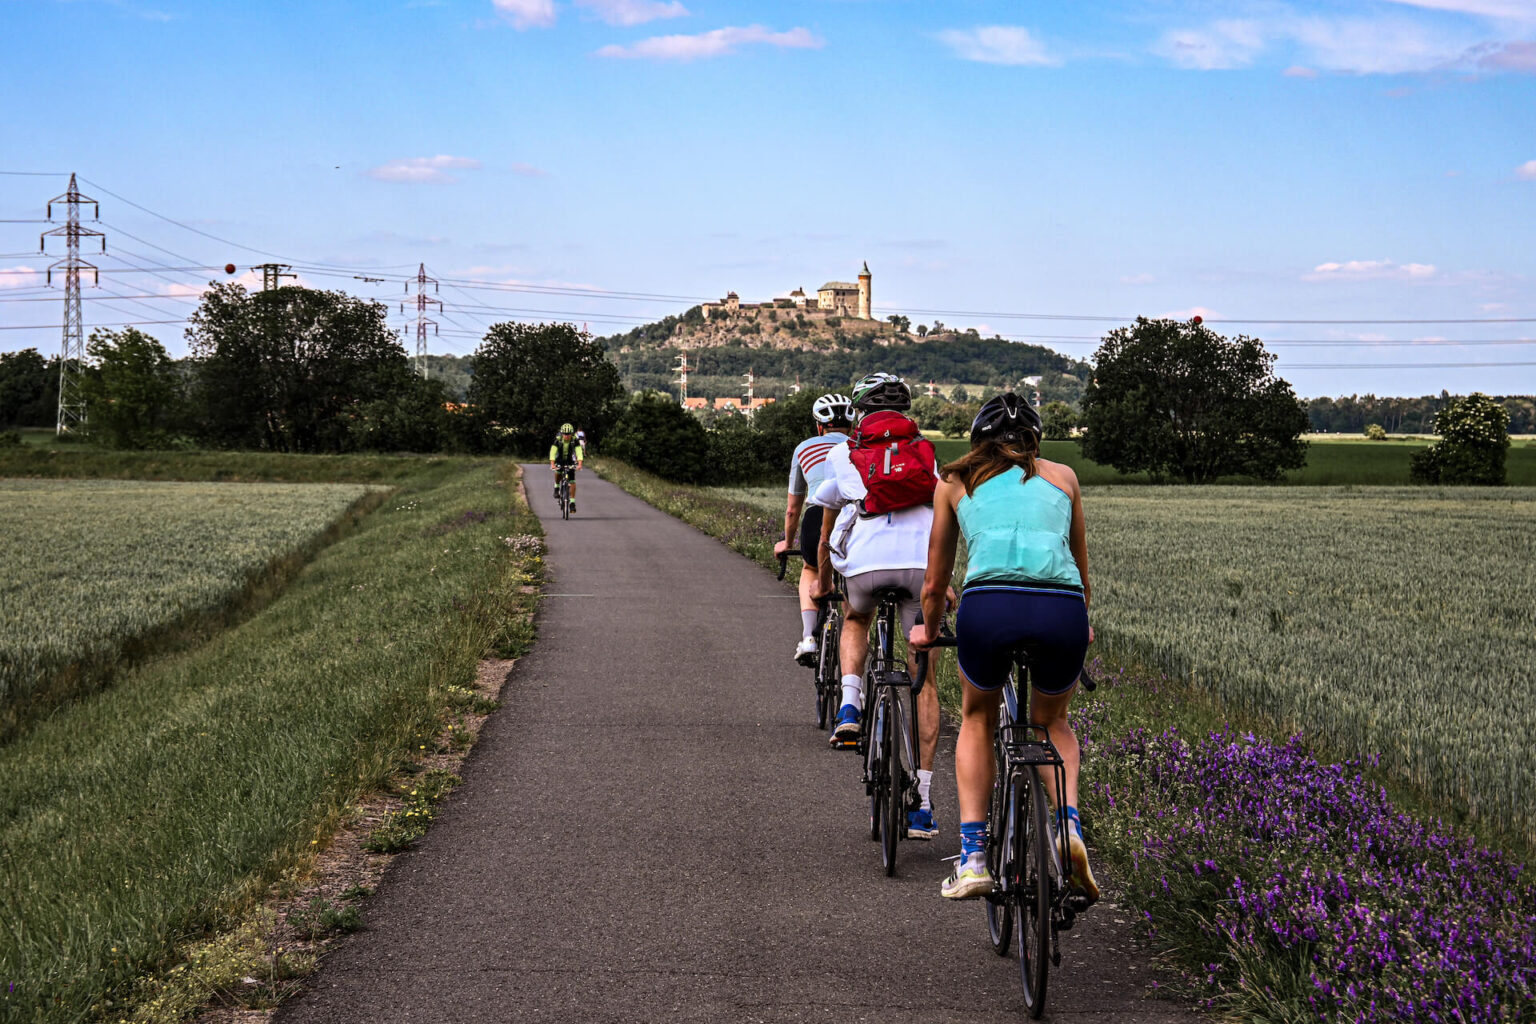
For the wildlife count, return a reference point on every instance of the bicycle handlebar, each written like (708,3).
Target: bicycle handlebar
(783,557)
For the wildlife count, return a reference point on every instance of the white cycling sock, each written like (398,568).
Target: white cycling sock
(853,691)
(924,780)
(808,622)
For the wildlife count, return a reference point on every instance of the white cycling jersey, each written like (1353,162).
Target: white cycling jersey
(896,540)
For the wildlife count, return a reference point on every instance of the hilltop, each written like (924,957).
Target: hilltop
(783,344)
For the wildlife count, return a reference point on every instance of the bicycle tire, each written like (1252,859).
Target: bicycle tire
(873,767)
(1032,912)
(891,823)
(999,860)
(831,679)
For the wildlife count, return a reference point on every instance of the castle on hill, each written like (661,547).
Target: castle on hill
(835,298)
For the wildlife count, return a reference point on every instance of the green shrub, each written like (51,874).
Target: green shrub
(659,436)
(1474,438)
(10,439)
(1375,432)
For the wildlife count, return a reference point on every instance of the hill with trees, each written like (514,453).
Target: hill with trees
(783,346)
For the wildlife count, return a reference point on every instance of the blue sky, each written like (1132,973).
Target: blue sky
(996,161)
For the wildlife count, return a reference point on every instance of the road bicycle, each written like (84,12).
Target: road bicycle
(828,632)
(888,736)
(1032,901)
(563,490)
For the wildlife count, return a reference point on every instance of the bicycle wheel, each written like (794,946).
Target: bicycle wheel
(1000,862)
(1032,912)
(830,680)
(892,820)
(874,764)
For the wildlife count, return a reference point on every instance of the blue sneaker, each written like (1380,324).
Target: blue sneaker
(847,730)
(920,824)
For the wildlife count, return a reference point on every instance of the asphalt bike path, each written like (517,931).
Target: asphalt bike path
(651,828)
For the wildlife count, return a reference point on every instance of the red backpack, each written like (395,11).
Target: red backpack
(896,463)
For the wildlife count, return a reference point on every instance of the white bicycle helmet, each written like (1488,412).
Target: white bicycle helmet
(828,408)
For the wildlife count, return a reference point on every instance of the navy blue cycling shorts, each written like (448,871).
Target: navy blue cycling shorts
(1048,627)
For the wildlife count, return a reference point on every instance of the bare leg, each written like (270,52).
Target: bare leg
(853,649)
(974,767)
(1051,712)
(927,712)
(807,578)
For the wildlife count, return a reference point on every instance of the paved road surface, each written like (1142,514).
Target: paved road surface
(651,829)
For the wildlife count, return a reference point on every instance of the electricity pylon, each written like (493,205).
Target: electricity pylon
(72,354)
(422,320)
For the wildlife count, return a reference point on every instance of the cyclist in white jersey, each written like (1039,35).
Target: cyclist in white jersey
(889,550)
(833,415)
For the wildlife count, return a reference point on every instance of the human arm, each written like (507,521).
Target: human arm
(792,509)
(581,454)
(824,558)
(941,563)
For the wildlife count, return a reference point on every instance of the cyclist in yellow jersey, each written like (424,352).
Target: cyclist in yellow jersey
(567,452)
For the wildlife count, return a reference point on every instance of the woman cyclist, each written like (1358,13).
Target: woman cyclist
(1026,590)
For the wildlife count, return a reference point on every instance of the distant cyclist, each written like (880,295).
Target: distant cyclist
(567,452)
(1026,590)
(581,438)
(882,480)
(834,416)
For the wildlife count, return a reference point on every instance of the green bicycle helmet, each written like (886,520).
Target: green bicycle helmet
(566,428)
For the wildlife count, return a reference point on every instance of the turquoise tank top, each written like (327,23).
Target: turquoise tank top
(1018,534)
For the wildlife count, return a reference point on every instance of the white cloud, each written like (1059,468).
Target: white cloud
(432,170)
(1526,171)
(998,44)
(1389,44)
(633,12)
(1228,43)
(528,170)
(1370,46)
(1137,279)
(1193,311)
(715,43)
(19,277)
(1370,270)
(526,13)
(1507,10)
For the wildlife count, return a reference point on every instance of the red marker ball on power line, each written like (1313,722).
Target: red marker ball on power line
(229,268)
(1195,320)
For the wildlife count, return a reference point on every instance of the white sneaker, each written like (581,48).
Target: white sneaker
(805,652)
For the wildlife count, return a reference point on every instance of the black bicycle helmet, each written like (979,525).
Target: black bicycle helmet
(881,391)
(1006,418)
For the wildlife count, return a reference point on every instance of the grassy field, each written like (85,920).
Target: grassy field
(158,809)
(80,461)
(96,570)
(1332,462)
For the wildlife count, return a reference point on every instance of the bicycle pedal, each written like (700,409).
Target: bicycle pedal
(1076,903)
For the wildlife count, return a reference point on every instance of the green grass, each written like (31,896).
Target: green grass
(159,809)
(1335,461)
(82,461)
(100,573)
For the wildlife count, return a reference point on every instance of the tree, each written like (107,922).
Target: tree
(1176,399)
(1058,419)
(1474,438)
(922,330)
(901,323)
(133,392)
(417,419)
(288,369)
(1375,432)
(530,378)
(29,389)
(658,435)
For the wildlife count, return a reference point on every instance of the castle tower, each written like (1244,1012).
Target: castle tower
(864,303)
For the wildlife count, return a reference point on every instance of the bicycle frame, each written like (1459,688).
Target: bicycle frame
(889,701)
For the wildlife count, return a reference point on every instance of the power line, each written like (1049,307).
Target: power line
(54,327)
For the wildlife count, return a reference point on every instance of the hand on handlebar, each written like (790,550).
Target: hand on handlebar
(779,548)
(921,637)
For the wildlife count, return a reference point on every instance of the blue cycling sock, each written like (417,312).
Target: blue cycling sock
(973,837)
(1069,815)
